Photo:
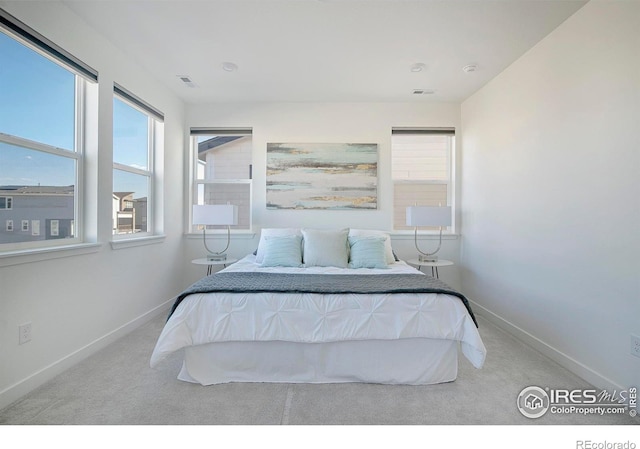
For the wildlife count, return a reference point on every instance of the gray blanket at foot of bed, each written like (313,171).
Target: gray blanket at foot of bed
(252,282)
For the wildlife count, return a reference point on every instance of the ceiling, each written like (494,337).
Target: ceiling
(324,51)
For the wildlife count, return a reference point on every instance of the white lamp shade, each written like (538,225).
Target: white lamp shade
(215,214)
(428,216)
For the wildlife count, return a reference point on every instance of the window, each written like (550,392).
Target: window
(137,135)
(42,109)
(222,170)
(6,202)
(55,228)
(421,170)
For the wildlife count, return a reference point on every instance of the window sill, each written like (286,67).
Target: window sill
(41,254)
(235,235)
(139,241)
(426,235)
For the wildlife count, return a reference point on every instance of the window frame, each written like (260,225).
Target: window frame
(155,119)
(83,75)
(449,182)
(195,182)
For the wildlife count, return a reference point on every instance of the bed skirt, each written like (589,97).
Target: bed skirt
(411,361)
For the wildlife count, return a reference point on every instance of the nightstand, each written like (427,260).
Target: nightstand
(434,265)
(211,263)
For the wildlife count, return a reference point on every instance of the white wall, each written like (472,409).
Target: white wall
(78,304)
(320,123)
(551,194)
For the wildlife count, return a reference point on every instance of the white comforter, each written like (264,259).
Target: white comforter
(315,318)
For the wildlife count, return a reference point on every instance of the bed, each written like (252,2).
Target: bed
(320,306)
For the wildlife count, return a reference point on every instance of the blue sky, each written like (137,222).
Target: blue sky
(36,96)
(130,135)
(130,141)
(37,102)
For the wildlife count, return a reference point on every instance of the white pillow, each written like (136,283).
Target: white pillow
(373,233)
(325,248)
(285,251)
(367,252)
(273,232)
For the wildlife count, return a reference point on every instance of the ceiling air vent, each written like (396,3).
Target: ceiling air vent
(423,91)
(186,80)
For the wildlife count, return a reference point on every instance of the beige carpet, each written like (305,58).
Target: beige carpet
(116,386)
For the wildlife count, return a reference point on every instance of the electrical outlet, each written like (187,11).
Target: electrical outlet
(24,333)
(635,345)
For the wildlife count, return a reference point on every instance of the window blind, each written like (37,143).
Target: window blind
(31,36)
(132,98)
(221,131)
(436,131)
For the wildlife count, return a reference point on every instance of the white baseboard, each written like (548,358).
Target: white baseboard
(593,377)
(21,388)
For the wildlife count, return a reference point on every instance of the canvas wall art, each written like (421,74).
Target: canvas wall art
(322,176)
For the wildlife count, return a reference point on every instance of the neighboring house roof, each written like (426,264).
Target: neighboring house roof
(215,142)
(37,190)
(122,194)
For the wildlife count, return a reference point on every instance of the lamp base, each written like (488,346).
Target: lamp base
(423,258)
(216,257)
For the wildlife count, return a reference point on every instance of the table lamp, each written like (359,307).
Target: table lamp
(215,214)
(428,216)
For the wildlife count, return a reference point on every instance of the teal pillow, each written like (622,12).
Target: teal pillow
(367,252)
(282,251)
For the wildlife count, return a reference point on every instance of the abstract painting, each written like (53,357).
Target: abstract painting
(322,176)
